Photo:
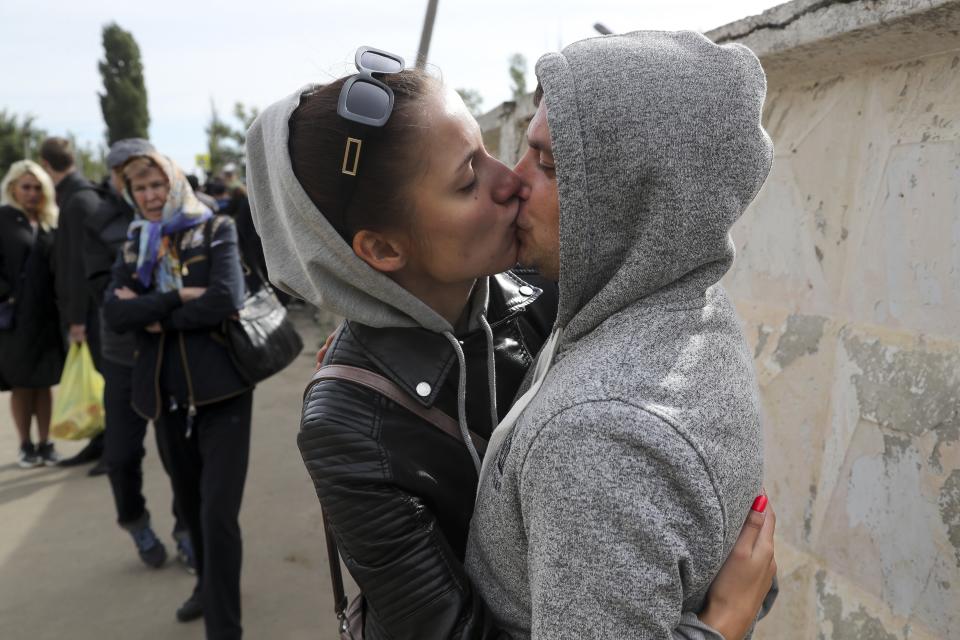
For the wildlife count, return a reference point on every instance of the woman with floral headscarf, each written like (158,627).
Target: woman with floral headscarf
(177,280)
(31,347)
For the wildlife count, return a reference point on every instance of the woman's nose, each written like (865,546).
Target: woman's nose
(509,186)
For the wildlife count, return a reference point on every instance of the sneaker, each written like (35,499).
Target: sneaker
(151,550)
(191,609)
(28,458)
(185,552)
(47,454)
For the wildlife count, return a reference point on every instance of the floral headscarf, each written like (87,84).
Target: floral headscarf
(156,258)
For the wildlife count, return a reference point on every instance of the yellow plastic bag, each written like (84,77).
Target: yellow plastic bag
(78,404)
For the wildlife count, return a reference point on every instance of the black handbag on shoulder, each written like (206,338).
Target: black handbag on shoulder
(261,338)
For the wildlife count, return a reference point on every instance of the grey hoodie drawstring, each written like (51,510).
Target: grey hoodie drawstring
(491,373)
(462,401)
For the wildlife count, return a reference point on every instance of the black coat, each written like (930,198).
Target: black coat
(188,363)
(32,352)
(78,199)
(397,491)
(105,232)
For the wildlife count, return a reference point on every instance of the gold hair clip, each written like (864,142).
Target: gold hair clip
(356,157)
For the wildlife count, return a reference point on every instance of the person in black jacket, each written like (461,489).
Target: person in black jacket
(177,279)
(104,235)
(407,229)
(78,199)
(31,346)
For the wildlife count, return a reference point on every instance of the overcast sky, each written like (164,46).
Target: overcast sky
(256,52)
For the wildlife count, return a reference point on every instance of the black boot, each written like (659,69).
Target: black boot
(99,469)
(192,608)
(90,453)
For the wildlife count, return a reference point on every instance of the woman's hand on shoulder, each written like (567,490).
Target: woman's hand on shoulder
(738,591)
(324,348)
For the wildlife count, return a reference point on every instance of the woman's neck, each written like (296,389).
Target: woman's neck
(32,216)
(448,299)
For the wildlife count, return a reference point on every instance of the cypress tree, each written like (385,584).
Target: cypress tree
(124,100)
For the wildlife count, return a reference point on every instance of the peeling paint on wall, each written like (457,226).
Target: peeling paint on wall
(801,337)
(912,391)
(763,334)
(858,625)
(885,500)
(950,510)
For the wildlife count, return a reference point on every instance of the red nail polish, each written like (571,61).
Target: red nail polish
(760,504)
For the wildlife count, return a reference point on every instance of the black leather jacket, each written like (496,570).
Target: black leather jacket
(398,492)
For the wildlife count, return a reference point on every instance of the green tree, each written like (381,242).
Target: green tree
(124,100)
(91,161)
(19,139)
(226,141)
(473,100)
(518,75)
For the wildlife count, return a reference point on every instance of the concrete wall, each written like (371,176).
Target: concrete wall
(848,283)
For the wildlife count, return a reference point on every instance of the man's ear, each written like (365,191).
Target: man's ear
(381,252)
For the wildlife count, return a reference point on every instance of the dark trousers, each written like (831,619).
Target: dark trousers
(93,337)
(208,470)
(123,447)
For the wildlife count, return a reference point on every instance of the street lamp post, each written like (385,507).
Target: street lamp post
(427,34)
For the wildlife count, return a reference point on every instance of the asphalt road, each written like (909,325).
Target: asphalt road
(67,570)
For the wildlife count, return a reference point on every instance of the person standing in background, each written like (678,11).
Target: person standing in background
(31,346)
(77,199)
(104,234)
(177,280)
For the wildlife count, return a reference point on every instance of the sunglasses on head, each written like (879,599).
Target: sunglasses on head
(364,102)
(363,98)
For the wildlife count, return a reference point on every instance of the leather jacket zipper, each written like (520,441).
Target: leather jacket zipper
(192,407)
(156,376)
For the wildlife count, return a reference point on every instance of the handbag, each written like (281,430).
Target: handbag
(261,339)
(8,308)
(351,613)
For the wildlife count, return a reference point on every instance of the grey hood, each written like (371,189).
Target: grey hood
(653,168)
(307,258)
(618,482)
(305,255)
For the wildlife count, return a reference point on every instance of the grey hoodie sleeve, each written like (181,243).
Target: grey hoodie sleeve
(619,531)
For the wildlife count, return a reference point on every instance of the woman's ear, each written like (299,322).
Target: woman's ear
(380,251)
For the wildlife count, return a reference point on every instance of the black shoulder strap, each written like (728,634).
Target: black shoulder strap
(433,416)
(208,233)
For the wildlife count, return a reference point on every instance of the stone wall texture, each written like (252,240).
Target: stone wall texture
(847,280)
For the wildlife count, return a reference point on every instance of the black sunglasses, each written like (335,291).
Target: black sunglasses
(363,98)
(366,101)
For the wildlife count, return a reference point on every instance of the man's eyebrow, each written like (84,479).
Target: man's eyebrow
(539,146)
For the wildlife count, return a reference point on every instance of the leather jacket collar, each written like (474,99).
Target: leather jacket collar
(413,356)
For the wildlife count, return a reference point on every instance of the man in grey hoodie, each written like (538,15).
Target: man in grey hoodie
(617,485)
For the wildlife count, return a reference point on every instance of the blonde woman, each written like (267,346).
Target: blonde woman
(31,347)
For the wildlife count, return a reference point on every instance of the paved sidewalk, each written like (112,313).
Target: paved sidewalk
(67,570)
